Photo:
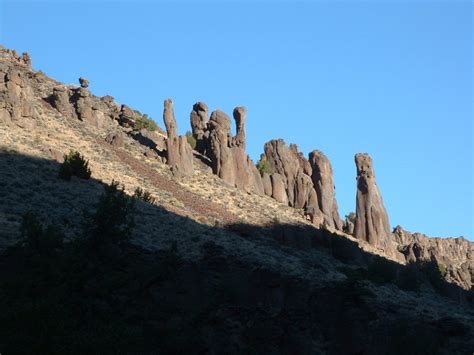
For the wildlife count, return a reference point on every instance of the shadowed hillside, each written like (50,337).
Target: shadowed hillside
(321,294)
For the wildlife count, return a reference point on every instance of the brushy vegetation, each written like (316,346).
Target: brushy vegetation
(38,238)
(191,140)
(351,217)
(144,195)
(74,164)
(263,165)
(113,219)
(144,121)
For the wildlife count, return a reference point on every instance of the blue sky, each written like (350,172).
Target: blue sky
(393,79)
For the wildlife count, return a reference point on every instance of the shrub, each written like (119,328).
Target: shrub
(382,271)
(113,219)
(74,164)
(263,165)
(144,121)
(191,140)
(351,217)
(37,238)
(143,195)
(409,278)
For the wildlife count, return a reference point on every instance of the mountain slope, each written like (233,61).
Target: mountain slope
(288,284)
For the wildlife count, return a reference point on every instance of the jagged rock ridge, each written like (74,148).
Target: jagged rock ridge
(293,179)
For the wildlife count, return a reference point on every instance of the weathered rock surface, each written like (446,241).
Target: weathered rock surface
(179,153)
(199,124)
(454,255)
(229,159)
(323,181)
(291,168)
(60,101)
(372,223)
(278,188)
(115,138)
(267,184)
(16,98)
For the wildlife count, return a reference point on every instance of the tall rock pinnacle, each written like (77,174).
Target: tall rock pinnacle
(323,181)
(371,224)
(179,152)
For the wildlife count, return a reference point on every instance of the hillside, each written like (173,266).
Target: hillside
(226,258)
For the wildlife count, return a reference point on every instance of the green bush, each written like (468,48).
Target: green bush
(144,121)
(409,278)
(382,271)
(263,165)
(37,238)
(113,219)
(191,140)
(351,217)
(144,195)
(74,164)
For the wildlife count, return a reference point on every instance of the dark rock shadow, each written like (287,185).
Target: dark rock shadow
(75,299)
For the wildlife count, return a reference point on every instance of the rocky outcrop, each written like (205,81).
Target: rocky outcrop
(126,116)
(371,223)
(199,124)
(16,98)
(179,154)
(291,178)
(323,182)
(227,154)
(115,138)
(454,256)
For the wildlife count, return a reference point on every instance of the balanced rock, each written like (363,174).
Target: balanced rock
(179,154)
(323,181)
(371,223)
(83,82)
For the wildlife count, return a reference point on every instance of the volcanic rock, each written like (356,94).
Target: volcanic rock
(371,224)
(323,181)
(179,153)
(199,124)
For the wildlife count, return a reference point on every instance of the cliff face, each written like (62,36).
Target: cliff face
(29,101)
(455,256)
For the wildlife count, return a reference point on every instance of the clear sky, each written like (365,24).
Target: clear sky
(393,79)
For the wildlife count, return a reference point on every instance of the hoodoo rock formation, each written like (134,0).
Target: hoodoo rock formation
(229,159)
(323,181)
(199,125)
(179,154)
(292,171)
(371,223)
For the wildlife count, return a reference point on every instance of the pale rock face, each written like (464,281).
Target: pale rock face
(372,223)
(179,154)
